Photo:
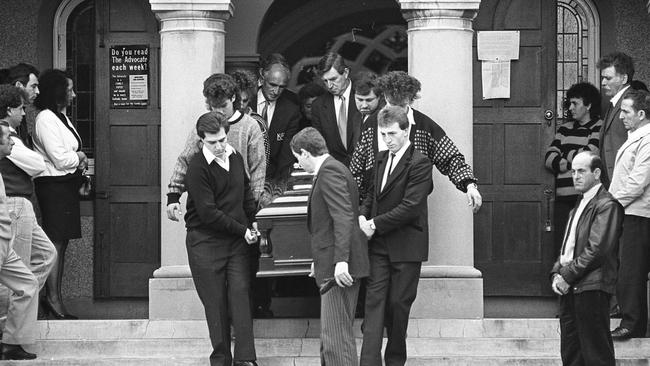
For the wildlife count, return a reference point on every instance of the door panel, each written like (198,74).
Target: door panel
(512,248)
(127,217)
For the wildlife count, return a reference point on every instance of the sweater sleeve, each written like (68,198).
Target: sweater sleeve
(256,159)
(176,185)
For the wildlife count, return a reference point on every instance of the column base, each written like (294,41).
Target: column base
(449,293)
(172,295)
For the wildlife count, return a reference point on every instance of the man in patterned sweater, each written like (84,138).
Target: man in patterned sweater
(401,89)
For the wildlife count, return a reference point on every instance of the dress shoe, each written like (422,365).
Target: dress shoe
(15,352)
(244,363)
(49,308)
(621,334)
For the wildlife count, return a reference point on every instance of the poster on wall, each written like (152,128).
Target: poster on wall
(129,82)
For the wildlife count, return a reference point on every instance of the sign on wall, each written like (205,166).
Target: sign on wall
(129,82)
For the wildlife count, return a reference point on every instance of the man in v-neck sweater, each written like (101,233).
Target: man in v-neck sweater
(220,210)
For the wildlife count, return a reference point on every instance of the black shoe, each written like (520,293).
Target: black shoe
(621,334)
(244,363)
(49,308)
(262,313)
(15,352)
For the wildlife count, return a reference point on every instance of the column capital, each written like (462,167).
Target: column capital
(441,14)
(193,5)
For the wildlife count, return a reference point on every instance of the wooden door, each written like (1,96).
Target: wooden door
(127,205)
(512,247)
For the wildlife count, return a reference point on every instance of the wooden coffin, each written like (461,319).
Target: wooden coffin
(284,238)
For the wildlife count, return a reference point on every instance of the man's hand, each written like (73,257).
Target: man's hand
(341,275)
(174,211)
(365,227)
(250,237)
(559,285)
(474,198)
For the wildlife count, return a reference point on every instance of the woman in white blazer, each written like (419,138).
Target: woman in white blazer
(57,188)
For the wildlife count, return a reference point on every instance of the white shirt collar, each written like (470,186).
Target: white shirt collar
(348,91)
(618,95)
(319,161)
(234,116)
(591,193)
(210,157)
(400,153)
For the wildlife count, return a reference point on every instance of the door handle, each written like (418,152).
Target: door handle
(548,116)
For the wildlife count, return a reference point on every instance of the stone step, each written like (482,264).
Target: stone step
(309,347)
(295,328)
(311,361)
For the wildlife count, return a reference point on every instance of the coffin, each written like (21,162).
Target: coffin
(284,238)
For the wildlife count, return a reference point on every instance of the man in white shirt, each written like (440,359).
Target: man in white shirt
(584,274)
(631,187)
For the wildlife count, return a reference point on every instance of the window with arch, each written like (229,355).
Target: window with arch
(578,50)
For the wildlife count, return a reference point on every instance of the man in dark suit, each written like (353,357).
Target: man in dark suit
(616,71)
(281,110)
(339,248)
(396,206)
(584,274)
(334,115)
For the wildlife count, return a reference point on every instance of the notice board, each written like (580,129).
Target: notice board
(129,81)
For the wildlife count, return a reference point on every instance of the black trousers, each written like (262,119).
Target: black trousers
(631,289)
(584,324)
(261,287)
(391,289)
(221,275)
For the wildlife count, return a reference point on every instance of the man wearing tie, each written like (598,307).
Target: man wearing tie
(616,71)
(335,116)
(338,246)
(394,217)
(280,108)
(584,274)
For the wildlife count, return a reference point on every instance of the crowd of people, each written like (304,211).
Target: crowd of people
(40,161)
(372,155)
(602,213)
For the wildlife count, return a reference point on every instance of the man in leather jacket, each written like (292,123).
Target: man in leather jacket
(585,273)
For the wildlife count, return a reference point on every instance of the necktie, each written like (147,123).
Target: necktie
(387,171)
(343,122)
(264,112)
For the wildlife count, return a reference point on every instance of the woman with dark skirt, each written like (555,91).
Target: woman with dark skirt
(57,188)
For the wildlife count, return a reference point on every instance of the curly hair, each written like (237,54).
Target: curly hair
(218,87)
(399,87)
(10,97)
(590,96)
(53,85)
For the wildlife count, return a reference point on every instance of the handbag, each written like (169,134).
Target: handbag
(86,186)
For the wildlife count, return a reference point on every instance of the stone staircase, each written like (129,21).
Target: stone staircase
(294,342)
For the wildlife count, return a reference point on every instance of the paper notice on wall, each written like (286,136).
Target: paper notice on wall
(138,89)
(496,79)
(498,45)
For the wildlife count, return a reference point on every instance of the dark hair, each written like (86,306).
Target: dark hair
(310,90)
(218,87)
(590,96)
(623,64)
(246,82)
(53,85)
(595,162)
(399,86)
(392,114)
(211,122)
(310,140)
(10,96)
(365,82)
(331,60)
(640,101)
(638,85)
(273,59)
(21,73)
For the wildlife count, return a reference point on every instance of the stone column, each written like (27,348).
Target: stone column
(192,47)
(440,56)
